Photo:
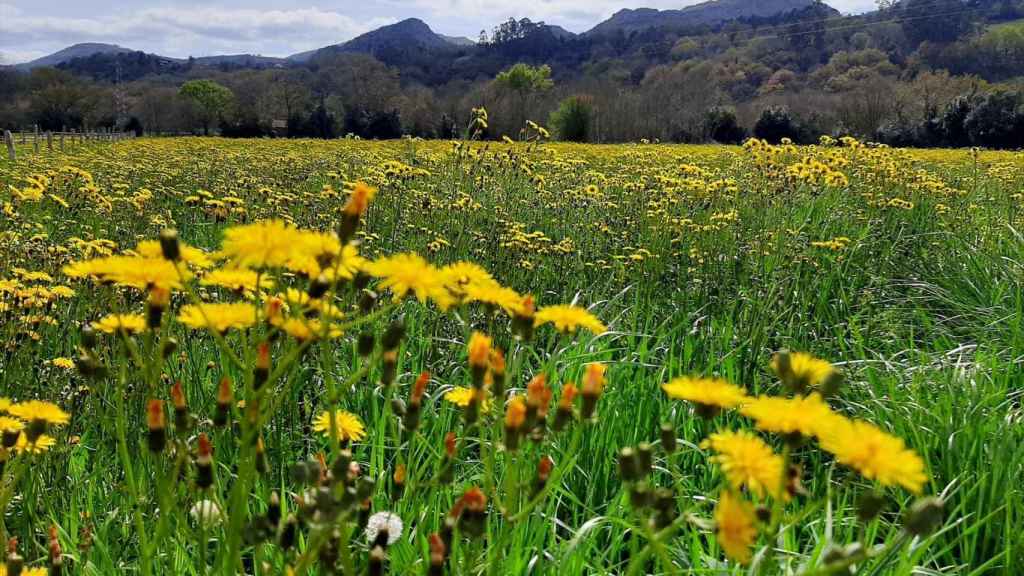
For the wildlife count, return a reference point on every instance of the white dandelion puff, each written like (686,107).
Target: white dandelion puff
(384,521)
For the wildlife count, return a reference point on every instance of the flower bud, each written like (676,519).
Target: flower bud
(629,470)
(182,420)
(924,516)
(393,335)
(204,463)
(318,287)
(225,397)
(645,458)
(668,438)
(170,246)
(870,506)
(262,369)
(367,300)
(156,422)
(365,344)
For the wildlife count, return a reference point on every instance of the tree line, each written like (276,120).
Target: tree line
(891,76)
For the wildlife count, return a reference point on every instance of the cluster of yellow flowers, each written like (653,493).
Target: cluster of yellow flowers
(749,463)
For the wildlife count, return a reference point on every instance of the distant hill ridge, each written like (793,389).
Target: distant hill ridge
(706,13)
(413,33)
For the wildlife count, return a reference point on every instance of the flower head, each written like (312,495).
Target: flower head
(40,411)
(803,415)
(127,323)
(461,397)
(568,319)
(874,453)
(710,393)
(746,460)
(237,279)
(270,244)
(348,425)
(736,527)
(219,317)
(131,271)
(800,371)
(388,521)
(41,444)
(410,273)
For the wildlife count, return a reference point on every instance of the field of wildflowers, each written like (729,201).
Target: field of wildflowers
(298,357)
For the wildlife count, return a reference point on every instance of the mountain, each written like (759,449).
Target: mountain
(77,51)
(704,14)
(240,61)
(409,33)
(457,40)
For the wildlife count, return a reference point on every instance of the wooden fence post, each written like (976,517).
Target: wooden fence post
(35,140)
(61,141)
(49,141)
(9,139)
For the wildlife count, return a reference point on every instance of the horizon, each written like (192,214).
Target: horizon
(34,29)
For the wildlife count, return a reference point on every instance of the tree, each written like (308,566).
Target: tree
(524,81)
(573,118)
(721,125)
(210,98)
(996,121)
(775,124)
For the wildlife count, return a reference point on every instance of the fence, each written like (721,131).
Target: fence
(58,139)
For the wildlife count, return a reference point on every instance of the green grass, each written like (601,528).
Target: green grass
(922,311)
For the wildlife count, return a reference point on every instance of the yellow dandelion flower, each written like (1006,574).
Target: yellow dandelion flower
(5,404)
(237,279)
(65,363)
(462,396)
(40,411)
(874,453)
(568,319)
(746,460)
(132,271)
(41,444)
(348,425)
(461,274)
(128,323)
(493,294)
(270,244)
(8,424)
(709,393)
(303,329)
(736,526)
(801,371)
(405,273)
(219,317)
(804,415)
(189,255)
(342,266)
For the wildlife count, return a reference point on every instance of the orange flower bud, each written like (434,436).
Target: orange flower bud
(568,395)
(515,414)
(419,388)
(594,381)
(479,348)
(359,199)
(155,415)
(449,444)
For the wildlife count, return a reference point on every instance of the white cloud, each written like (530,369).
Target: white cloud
(30,28)
(184,31)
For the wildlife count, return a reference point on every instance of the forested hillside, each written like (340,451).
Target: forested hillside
(924,72)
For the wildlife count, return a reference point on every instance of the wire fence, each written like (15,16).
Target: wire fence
(50,141)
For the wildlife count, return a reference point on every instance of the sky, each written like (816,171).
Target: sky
(33,28)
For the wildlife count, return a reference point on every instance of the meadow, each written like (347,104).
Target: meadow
(273,357)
